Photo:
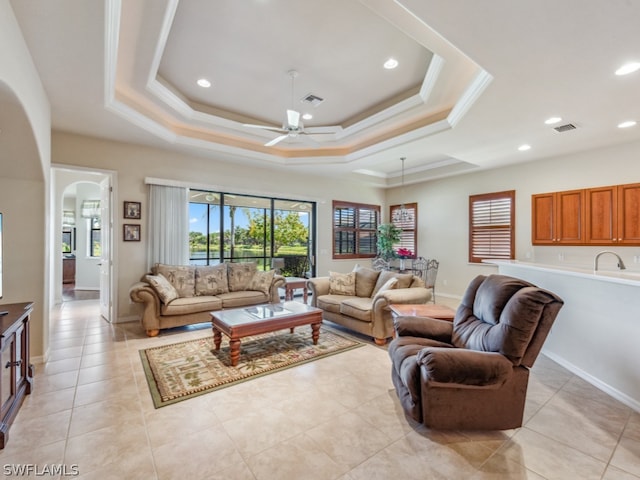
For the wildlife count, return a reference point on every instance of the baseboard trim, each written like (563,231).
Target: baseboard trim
(596,382)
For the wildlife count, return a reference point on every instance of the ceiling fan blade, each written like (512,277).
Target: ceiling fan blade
(293,118)
(264,127)
(275,140)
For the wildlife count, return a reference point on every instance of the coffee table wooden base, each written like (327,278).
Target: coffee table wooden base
(234,343)
(246,326)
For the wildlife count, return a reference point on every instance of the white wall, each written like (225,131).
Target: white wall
(443,209)
(135,163)
(24,173)
(87,268)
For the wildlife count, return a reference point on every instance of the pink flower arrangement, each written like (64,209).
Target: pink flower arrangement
(404,252)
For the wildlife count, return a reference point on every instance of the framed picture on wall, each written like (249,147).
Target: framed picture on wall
(133,210)
(131,233)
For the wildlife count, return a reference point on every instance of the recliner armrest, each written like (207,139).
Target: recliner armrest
(469,368)
(411,326)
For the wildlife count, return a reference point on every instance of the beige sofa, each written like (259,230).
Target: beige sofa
(177,295)
(360,300)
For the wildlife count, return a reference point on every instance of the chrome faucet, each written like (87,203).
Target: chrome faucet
(620,262)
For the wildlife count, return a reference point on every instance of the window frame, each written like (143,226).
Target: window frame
(402,244)
(509,195)
(94,232)
(356,229)
(271,207)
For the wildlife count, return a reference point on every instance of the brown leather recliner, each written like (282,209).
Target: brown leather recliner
(472,373)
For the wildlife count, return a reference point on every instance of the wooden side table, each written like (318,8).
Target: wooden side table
(439,312)
(292,284)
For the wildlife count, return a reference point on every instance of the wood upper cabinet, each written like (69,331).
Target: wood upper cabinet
(558,218)
(602,221)
(613,215)
(593,216)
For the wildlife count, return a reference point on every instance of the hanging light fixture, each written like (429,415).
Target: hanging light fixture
(401,215)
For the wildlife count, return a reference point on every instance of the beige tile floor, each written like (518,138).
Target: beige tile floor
(335,418)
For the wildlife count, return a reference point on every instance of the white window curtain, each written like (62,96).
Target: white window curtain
(168,225)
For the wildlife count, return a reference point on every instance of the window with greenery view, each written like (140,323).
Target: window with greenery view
(492,226)
(354,229)
(228,227)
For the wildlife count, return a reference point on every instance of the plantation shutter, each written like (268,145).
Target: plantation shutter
(354,230)
(491,226)
(408,225)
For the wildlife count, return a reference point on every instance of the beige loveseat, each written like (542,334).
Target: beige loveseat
(360,300)
(177,295)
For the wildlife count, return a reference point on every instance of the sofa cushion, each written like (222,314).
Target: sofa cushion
(357,307)
(243,298)
(182,306)
(365,280)
(262,281)
(404,280)
(342,283)
(331,303)
(162,287)
(182,277)
(389,285)
(211,280)
(240,275)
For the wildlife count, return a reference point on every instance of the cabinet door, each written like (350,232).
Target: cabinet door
(628,232)
(602,204)
(7,375)
(570,229)
(543,219)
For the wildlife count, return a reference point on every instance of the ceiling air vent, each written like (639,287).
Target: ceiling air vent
(565,128)
(312,99)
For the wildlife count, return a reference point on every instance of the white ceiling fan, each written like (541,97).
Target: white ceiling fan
(292,127)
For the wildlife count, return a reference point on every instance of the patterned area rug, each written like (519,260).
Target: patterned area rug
(187,369)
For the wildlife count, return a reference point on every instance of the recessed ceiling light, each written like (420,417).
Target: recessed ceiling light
(390,64)
(552,120)
(628,68)
(524,148)
(204,83)
(627,124)
(307,116)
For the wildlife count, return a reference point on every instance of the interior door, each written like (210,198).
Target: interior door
(106,262)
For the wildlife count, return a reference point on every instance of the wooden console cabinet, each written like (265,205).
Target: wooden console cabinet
(68,270)
(605,216)
(16,373)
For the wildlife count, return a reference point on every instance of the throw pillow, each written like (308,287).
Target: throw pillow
(365,280)
(182,277)
(240,275)
(389,285)
(342,283)
(163,288)
(211,280)
(262,281)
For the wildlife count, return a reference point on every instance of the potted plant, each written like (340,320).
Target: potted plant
(388,236)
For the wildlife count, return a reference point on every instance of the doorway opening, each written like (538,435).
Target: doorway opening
(82,260)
